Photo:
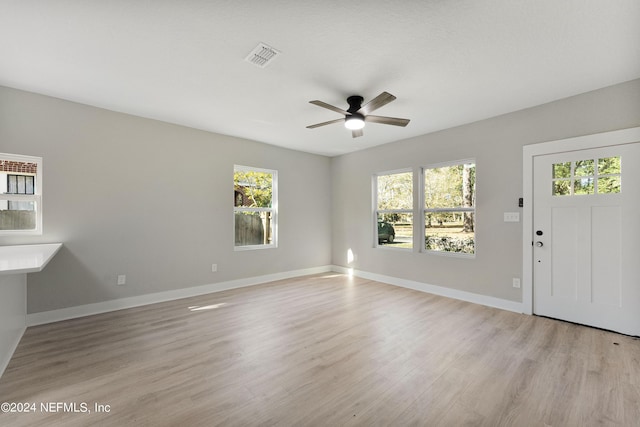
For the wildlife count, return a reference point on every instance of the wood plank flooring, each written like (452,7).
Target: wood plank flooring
(323,350)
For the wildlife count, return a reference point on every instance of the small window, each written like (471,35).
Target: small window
(449,208)
(587,177)
(393,209)
(255,207)
(20,195)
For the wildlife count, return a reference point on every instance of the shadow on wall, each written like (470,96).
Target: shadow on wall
(68,274)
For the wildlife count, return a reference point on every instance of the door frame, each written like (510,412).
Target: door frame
(529,152)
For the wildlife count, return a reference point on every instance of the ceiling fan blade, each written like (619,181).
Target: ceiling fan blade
(329,107)
(356,133)
(381,100)
(317,125)
(387,120)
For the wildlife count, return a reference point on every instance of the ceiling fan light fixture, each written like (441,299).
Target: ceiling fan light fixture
(354,122)
(357,114)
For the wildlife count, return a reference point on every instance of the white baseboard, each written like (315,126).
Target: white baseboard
(500,303)
(44,317)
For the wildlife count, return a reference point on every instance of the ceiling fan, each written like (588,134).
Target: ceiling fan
(357,114)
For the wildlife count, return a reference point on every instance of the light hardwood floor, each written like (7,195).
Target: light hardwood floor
(324,350)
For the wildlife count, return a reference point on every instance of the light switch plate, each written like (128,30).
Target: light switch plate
(512,217)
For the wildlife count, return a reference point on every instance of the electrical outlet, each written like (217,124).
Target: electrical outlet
(214,268)
(122,279)
(516,282)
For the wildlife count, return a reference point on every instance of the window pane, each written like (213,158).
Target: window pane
(17,215)
(584,168)
(609,165)
(610,184)
(583,186)
(255,201)
(562,188)
(562,170)
(450,186)
(12,184)
(253,189)
(253,228)
(450,232)
(395,191)
(19,175)
(22,185)
(396,230)
(30,185)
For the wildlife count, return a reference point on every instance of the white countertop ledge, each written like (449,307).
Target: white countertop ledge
(22,259)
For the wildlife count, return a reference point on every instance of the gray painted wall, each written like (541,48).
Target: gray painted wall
(154,201)
(151,200)
(496,144)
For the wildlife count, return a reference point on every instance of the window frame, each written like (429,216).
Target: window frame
(273,209)
(36,197)
(376,211)
(424,210)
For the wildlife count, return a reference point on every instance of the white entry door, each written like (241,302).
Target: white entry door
(586,236)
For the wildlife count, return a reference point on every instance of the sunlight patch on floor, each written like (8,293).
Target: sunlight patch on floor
(206,307)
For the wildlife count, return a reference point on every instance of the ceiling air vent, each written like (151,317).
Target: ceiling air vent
(262,55)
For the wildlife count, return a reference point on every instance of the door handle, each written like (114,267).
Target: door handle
(539,244)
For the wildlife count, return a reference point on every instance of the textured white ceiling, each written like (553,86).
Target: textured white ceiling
(449,62)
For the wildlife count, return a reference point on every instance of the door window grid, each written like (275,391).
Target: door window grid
(587,177)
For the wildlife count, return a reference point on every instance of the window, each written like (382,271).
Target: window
(588,176)
(449,207)
(20,194)
(255,207)
(394,209)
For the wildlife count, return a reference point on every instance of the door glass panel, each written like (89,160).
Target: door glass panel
(609,165)
(584,168)
(583,186)
(562,170)
(609,184)
(562,188)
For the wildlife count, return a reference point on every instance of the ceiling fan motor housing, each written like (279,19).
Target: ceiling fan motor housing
(355,103)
